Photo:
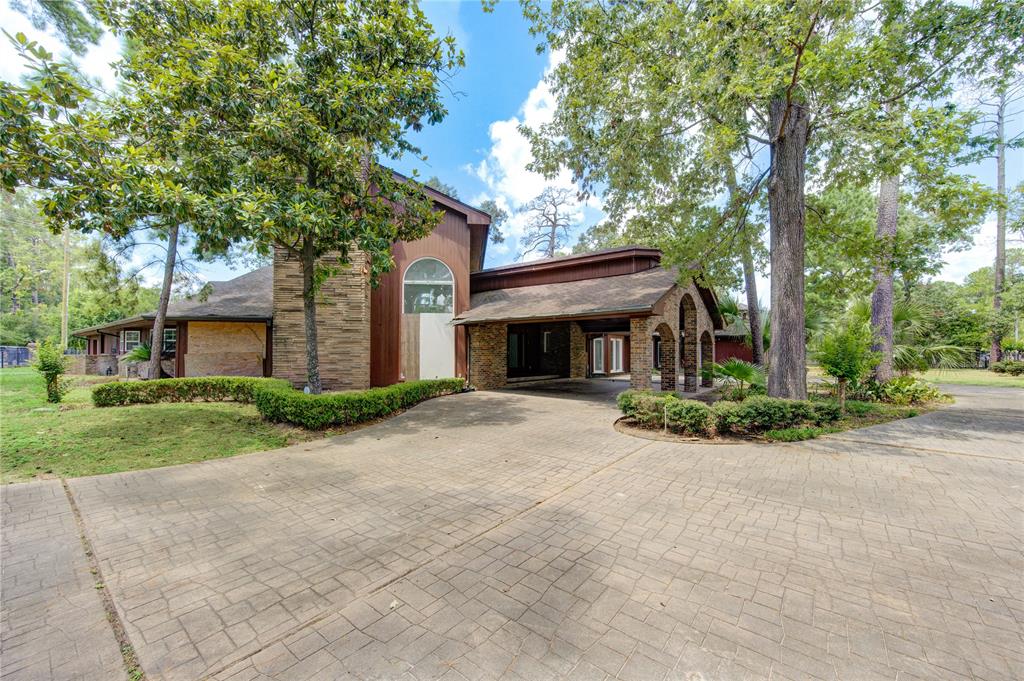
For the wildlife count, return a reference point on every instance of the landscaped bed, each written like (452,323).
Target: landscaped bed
(666,416)
(121,426)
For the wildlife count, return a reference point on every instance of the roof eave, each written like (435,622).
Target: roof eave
(639,311)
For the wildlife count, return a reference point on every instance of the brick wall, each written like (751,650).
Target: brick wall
(488,356)
(225,349)
(685,360)
(577,351)
(343,324)
(641,351)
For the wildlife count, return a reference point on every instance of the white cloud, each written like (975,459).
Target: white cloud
(504,170)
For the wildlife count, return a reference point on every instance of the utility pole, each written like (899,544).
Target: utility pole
(65,290)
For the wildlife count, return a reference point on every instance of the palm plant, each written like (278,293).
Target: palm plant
(912,350)
(140,353)
(737,372)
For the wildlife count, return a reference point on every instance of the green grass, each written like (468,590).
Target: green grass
(42,440)
(973,377)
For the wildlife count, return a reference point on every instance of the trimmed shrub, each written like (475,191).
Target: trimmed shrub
(1014,367)
(688,416)
(205,389)
(826,412)
(760,414)
(792,434)
(285,405)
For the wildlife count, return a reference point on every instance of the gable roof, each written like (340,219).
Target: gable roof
(636,293)
(249,297)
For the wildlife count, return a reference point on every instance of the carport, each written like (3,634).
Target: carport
(593,329)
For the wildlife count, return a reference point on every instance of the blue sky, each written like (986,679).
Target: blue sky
(477,148)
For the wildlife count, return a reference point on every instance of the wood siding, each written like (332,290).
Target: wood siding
(567,269)
(449,243)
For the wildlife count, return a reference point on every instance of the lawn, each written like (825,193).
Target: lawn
(41,440)
(973,377)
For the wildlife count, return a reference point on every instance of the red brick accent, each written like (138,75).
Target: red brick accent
(641,354)
(488,356)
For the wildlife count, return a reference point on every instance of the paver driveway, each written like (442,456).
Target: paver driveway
(517,535)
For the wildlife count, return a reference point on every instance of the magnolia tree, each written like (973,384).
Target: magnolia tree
(288,109)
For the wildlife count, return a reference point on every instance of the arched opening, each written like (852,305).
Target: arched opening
(666,346)
(707,357)
(428,307)
(688,345)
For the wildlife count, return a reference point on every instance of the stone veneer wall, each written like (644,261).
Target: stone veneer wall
(224,349)
(577,351)
(488,356)
(641,353)
(343,324)
(97,365)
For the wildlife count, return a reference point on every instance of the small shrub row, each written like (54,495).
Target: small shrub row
(285,405)
(752,416)
(205,389)
(1014,367)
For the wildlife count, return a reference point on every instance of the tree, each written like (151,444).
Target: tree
(290,121)
(654,98)
(499,216)
(435,183)
(846,354)
(1004,88)
(549,220)
(74,22)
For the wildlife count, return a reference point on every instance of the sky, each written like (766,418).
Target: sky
(477,148)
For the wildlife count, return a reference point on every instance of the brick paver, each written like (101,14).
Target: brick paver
(52,622)
(518,536)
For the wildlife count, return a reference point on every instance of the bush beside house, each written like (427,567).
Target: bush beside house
(277,401)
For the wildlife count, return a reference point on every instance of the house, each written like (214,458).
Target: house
(438,313)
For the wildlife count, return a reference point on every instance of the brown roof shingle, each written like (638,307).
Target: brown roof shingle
(626,293)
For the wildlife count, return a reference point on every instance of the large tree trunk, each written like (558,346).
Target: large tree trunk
(1000,263)
(753,311)
(308,260)
(65,290)
(156,341)
(787,374)
(882,296)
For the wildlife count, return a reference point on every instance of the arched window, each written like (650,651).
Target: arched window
(429,287)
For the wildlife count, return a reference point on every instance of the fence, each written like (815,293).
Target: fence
(14,356)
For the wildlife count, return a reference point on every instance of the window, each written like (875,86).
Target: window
(429,287)
(598,355)
(516,341)
(547,341)
(615,345)
(170,340)
(131,340)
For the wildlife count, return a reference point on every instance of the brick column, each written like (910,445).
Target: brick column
(641,360)
(577,351)
(488,356)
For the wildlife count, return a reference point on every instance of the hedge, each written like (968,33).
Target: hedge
(276,400)
(1014,367)
(315,412)
(753,415)
(207,389)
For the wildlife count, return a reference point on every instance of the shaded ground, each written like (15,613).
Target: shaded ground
(512,535)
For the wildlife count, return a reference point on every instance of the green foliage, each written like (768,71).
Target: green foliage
(205,389)
(1009,366)
(754,415)
(666,410)
(72,20)
(759,414)
(904,390)
(52,364)
(792,434)
(283,404)
(140,353)
(845,352)
(738,373)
